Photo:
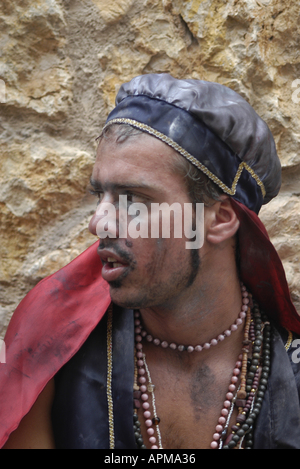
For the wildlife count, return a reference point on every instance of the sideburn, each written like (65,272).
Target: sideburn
(195,257)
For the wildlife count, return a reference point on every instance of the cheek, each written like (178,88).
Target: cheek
(93,225)
(161,257)
(156,263)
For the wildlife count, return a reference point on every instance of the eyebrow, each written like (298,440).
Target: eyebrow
(97,185)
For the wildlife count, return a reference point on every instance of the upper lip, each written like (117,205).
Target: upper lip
(105,254)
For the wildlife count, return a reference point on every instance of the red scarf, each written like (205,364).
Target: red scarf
(262,270)
(47,329)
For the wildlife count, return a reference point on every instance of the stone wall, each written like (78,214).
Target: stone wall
(61,63)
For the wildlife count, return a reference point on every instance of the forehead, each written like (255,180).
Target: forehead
(136,158)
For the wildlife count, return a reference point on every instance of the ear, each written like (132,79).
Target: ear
(221,221)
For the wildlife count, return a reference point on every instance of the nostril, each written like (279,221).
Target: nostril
(93,225)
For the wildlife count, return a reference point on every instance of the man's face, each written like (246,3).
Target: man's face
(142,272)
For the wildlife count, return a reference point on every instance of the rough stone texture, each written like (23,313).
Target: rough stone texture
(62,62)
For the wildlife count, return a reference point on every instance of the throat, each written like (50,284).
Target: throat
(190,327)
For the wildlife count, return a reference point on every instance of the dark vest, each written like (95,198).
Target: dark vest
(93,406)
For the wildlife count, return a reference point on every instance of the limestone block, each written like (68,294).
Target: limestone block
(155,33)
(118,64)
(156,40)
(113,11)
(36,189)
(37,74)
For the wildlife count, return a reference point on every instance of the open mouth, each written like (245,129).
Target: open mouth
(112,269)
(113,263)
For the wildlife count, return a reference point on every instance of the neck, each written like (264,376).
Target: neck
(197,318)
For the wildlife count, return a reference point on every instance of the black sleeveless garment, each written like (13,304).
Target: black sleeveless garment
(93,406)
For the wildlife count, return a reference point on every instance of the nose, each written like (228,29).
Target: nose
(93,224)
(104,221)
(98,213)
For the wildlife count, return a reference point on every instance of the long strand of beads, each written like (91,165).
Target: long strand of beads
(224,432)
(242,394)
(155,419)
(136,405)
(240,369)
(257,379)
(264,375)
(226,412)
(143,388)
(246,350)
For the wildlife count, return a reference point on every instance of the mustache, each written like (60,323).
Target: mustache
(124,255)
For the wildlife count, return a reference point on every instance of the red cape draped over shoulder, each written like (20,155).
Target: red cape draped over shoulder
(46,330)
(57,316)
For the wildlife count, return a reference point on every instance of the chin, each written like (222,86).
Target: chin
(125,299)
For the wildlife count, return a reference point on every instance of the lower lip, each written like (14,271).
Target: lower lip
(110,273)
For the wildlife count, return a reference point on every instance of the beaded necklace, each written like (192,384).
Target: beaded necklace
(246,389)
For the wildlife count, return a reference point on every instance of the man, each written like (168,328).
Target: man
(185,356)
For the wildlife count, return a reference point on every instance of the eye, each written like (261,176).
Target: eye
(97,194)
(135,198)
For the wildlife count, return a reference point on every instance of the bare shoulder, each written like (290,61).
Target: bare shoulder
(35,429)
